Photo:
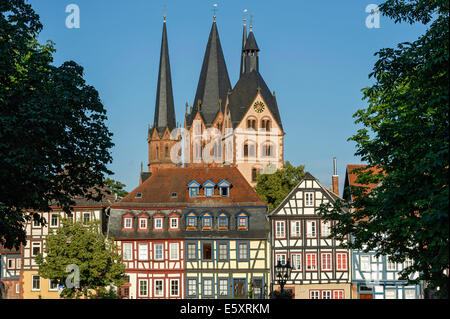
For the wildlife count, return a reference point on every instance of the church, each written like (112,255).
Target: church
(225,126)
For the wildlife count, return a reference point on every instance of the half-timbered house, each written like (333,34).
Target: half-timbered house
(377,277)
(320,265)
(33,286)
(192,233)
(10,268)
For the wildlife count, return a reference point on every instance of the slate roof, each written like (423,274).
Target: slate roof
(250,44)
(245,92)
(158,188)
(164,107)
(214,82)
(108,199)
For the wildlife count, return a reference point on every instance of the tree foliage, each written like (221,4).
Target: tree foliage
(85,246)
(116,187)
(273,188)
(54,144)
(405,132)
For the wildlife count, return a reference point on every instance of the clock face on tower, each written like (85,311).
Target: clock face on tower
(259,107)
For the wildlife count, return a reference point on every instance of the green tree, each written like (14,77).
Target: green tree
(273,188)
(54,144)
(116,187)
(85,246)
(405,132)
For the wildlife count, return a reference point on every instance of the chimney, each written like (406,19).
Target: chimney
(335,179)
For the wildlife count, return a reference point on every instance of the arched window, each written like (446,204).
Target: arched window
(265,124)
(267,150)
(251,123)
(167,151)
(249,149)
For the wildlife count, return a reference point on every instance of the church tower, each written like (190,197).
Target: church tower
(209,103)
(159,135)
(257,143)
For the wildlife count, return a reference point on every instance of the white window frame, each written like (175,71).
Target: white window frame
(145,220)
(51,220)
(13,263)
(364,262)
(330,261)
(32,283)
(411,291)
(390,290)
(296,228)
(171,287)
(192,283)
(174,248)
(296,260)
(158,220)
(155,286)
(390,265)
(311,232)
(127,253)
(220,287)
(189,251)
(139,288)
(172,220)
(326,294)
(222,251)
(210,286)
(343,267)
(86,214)
(142,252)
(315,261)
(339,293)
(156,250)
(309,200)
(128,223)
(314,294)
(50,286)
(33,244)
(325,225)
(280,229)
(282,258)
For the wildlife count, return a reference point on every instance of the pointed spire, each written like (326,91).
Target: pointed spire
(250,44)
(164,107)
(250,54)
(244,39)
(214,82)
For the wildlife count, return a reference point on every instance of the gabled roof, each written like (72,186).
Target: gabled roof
(350,178)
(157,189)
(164,106)
(330,195)
(245,92)
(214,82)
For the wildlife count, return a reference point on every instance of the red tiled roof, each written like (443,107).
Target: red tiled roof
(158,188)
(352,177)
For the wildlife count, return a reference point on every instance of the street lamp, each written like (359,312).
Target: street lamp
(283,273)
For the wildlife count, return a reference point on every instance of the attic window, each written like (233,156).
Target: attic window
(139,195)
(174,195)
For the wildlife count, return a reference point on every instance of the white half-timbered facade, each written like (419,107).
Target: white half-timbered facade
(320,265)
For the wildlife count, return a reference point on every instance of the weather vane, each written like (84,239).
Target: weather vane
(245,15)
(215,10)
(164,11)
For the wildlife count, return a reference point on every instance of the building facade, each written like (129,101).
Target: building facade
(377,277)
(32,285)
(320,265)
(10,268)
(192,233)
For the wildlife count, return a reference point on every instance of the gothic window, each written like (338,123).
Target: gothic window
(167,151)
(254,174)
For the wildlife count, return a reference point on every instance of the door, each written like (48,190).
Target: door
(257,289)
(239,288)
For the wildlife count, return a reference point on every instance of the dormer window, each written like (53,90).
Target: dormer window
(191,221)
(224,187)
(174,221)
(127,222)
(242,221)
(223,221)
(139,195)
(193,189)
(209,188)
(207,221)
(158,223)
(143,222)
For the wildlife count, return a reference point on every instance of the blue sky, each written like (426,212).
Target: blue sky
(316,55)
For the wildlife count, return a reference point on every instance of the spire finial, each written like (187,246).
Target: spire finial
(245,16)
(164,12)
(215,10)
(251,22)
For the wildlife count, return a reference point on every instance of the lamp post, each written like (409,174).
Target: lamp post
(283,273)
